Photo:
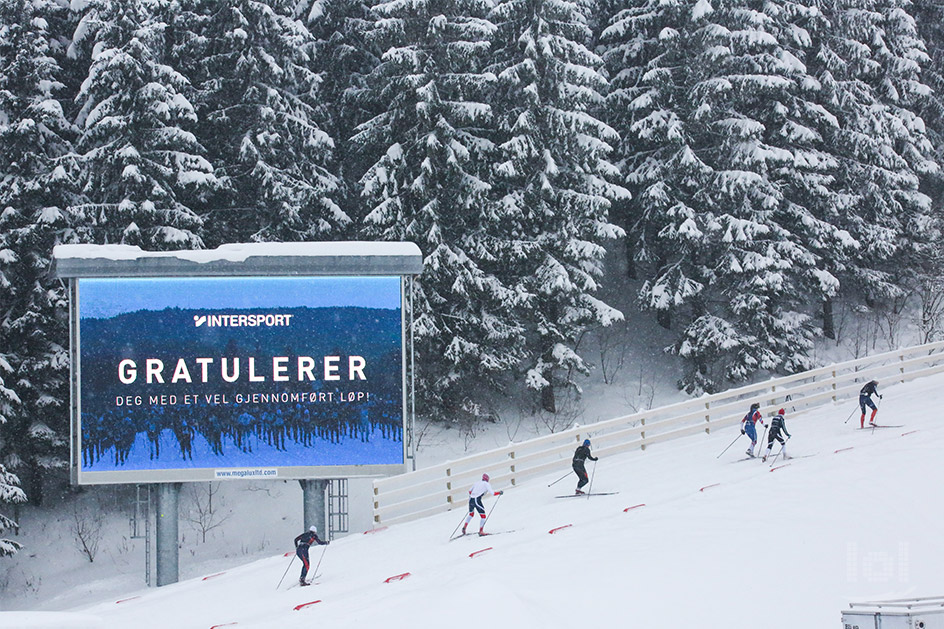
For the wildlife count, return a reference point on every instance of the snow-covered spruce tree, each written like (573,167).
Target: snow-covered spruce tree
(143,170)
(870,58)
(10,492)
(554,181)
(261,114)
(724,153)
(929,17)
(430,151)
(35,168)
(344,59)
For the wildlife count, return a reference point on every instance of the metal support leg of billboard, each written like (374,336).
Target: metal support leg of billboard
(168,511)
(313,499)
(410,384)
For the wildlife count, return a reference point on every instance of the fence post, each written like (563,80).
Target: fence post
(514,480)
(642,434)
(376,505)
(708,417)
(834,385)
(901,357)
(449,487)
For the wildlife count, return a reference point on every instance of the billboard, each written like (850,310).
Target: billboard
(202,378)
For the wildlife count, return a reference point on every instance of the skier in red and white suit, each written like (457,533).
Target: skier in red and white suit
(478,491)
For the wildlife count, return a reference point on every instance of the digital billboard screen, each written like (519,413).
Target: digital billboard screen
(192,378)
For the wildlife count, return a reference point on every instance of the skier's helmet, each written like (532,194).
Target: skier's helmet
(875,382)
(586,442)
(781,412)
(313,528)
(755,406)
(485,477)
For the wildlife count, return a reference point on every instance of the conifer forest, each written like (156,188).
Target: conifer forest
(751,163)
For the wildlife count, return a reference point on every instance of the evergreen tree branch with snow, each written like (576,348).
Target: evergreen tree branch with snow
(429,151)
(38,170)
(555,185)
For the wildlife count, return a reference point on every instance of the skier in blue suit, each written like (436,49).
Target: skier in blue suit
(747,426)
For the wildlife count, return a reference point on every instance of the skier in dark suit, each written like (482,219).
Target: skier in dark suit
(302,543)
(581,454)
(865,399)
(776,425)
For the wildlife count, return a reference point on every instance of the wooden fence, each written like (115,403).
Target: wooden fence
(445,486)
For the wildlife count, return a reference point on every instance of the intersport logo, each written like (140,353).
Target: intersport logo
(243,320)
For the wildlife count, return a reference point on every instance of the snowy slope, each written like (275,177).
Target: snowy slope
(783,548)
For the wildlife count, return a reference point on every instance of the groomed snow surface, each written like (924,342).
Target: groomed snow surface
(720,543)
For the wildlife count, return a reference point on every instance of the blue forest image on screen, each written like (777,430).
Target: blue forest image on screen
(186,373)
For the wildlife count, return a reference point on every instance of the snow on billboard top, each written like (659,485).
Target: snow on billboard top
(249,361)
(257,259)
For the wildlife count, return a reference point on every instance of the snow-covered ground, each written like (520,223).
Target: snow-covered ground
(723,543)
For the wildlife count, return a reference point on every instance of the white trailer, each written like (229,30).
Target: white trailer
(905,613)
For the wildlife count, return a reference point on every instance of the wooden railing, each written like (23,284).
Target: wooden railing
(445,486)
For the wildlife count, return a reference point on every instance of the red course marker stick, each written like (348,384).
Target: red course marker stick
(396,577)
(552,531)
(382,528)
(709,486)
(478,552)
(304,605)
(641,504)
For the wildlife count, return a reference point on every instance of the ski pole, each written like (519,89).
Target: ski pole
(850,416)
(761,442)
(778,454)
(726,449)
(592,474)
(560,479)
(482,528)
(458,525)
(291,561)
(315,571)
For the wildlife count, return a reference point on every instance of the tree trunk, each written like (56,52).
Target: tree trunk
(630,260)
(664,319)
(829,326)
(548,403)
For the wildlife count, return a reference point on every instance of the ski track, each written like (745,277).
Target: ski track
(786,548)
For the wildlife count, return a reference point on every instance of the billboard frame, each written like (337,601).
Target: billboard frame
(324,259)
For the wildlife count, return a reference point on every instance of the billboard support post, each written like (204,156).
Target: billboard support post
(168,507)
(313,502)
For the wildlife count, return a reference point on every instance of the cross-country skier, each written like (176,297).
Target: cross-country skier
(776,425)
(478,491)
(302,544)
(865,399)
(747,426)
(581,454)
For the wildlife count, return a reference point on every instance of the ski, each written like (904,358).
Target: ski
(881,426)
(307,582)
(452,539)
(602,493)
